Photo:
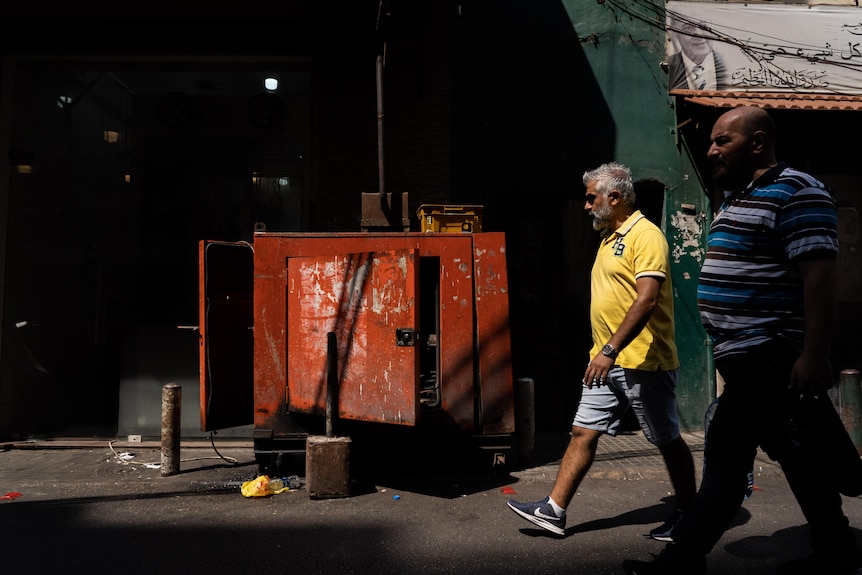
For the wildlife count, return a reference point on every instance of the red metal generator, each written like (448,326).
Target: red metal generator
(397,333)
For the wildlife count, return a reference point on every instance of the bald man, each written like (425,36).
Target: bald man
(766,295)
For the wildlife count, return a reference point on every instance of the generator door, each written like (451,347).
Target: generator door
(369,301)
(226,289)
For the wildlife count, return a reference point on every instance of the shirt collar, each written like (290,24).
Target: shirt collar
(630,221)
(768,176)
(765,178)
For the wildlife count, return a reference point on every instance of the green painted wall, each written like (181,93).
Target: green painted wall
(624,44)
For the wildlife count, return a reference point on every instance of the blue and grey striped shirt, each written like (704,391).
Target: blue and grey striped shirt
(750,288)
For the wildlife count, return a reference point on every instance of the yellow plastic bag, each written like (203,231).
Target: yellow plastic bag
(262,486)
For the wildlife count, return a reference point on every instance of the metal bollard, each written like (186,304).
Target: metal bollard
(525,421)
(331,381)
(850,405)
(172,395)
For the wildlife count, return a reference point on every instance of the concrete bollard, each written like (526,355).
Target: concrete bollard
(327,458)
(172,395)
(327,467)
(850,405)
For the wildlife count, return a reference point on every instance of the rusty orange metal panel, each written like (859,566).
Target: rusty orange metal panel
(272,324)
(379,378)
(368,301)
(492,327)
(457,334)
(270,333)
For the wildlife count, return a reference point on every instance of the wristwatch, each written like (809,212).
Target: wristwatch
(609,351)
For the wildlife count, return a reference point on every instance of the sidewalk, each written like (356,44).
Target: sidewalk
(102,507)
(627,457)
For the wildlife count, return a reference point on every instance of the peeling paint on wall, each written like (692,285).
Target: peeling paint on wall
(687,237)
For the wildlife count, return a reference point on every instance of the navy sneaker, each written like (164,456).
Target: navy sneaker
(542,514)
(663,531)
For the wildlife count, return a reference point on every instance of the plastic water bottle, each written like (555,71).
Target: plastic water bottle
(278,483)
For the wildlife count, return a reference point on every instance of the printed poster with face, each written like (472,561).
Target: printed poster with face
(764,47)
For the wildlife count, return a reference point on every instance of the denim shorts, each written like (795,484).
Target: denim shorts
(649,393)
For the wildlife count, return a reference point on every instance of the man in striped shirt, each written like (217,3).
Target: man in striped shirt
(766,295)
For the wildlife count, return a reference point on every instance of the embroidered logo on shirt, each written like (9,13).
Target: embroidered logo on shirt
(619,247)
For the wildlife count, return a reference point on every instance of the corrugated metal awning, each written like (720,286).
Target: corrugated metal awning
(775,100)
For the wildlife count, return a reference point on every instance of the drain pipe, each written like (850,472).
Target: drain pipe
(380,171)
(382,19)
(331,381)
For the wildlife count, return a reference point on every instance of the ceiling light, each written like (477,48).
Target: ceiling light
(271,84)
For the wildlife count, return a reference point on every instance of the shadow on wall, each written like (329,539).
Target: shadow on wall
(532,119)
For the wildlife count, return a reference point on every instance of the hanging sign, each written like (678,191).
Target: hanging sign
(764,47)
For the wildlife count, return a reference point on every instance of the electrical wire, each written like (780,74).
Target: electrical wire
(209,382)
(228,459)
(155,465)
(655,15)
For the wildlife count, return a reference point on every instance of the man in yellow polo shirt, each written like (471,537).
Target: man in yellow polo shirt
(634,361)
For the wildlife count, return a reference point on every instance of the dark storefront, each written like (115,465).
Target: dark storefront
(135,132)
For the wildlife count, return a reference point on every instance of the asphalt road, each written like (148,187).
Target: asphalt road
(103,511)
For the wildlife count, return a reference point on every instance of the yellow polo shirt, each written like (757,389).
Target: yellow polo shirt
(637,249)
